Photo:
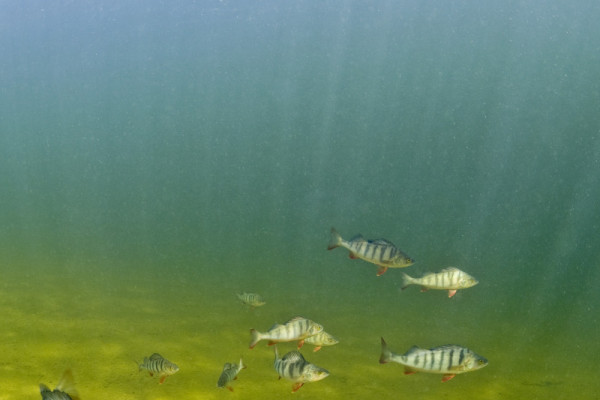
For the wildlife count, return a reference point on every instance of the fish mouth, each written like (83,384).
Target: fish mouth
(481,362)
(321,377)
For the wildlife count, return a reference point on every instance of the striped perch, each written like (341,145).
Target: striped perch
(229,374)
(380,252)
(321,339)
(448,360)
(157,364)
(251,299)
(297,328)
(295,368)
(450,279)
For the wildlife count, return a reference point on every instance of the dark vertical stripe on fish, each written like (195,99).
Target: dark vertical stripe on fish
(358,247)
(374,248)
(385,255)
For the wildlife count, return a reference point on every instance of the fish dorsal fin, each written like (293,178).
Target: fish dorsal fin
(227,366)
(155,356)
(450,269)
(294,319)
(412,350)
(67,384)
(293,356)
(447,346)
(382,242)
(275,326)
(357,238)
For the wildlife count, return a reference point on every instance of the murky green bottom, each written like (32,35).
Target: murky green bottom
(101,322)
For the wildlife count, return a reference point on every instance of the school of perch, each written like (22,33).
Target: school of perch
(448,360)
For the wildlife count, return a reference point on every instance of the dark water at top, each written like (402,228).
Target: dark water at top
(203,148)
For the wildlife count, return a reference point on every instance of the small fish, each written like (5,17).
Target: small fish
(449,360)
(157,364)
(297,328)
(251,299)
(229,374)
(321,339)
(450,279)
(295,368)
(380,252)
(65,390)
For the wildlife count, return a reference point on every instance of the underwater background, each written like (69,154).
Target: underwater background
(156,158)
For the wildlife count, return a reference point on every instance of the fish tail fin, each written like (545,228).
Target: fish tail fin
(386,355)
(242,365)
(67,384)
(255,337)
(335,240)
(406,281)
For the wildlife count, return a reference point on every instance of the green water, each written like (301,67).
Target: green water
(157,159)
(99,327)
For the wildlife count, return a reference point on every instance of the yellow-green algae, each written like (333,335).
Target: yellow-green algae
(99,322)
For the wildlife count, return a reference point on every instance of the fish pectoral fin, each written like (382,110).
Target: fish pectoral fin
(162,379)
(447,377)
(297,386)
(381,270)
(230,388)
(451,292)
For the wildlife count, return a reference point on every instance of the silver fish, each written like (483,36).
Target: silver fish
(251,299)
(66,384)
(297,328)
(157,364)
(295,368)
(321,339)
(450,279)
(229,374)
(448,360)
(380,252)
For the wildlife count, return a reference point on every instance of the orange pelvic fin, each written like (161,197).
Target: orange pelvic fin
(297,386)
(447,377)
(451,293)
(381,270)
